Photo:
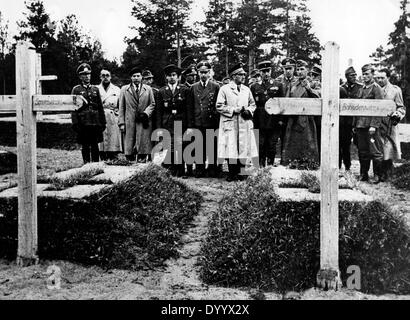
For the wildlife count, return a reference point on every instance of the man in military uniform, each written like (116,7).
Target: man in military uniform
(89,120)
(301,143)
(190,75)
(172,117)
(316,78)
(270,126)
(369,141)
(351,89)
(388,128)
(202,115)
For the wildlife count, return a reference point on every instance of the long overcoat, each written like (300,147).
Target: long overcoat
(112,134)
(137,138)
(388,131)
(236,138)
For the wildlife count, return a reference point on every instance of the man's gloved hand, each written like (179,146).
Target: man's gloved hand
(144,120)
(246,115)
(395,118)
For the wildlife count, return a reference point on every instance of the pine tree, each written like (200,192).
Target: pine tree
(162,33)
(37,26)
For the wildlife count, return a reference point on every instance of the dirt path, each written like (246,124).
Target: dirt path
(179,278)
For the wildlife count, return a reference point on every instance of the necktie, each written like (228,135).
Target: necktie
(137,93)
(239,88)
(203,84)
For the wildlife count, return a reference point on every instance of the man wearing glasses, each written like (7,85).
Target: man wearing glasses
(202,115)
(111,145)
(236,139)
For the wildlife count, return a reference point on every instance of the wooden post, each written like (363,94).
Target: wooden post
(39,90)
(27,157)
(328,276)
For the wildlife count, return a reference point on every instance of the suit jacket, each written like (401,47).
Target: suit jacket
(137,139)
(201,112)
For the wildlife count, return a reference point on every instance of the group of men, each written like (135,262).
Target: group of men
(202,122)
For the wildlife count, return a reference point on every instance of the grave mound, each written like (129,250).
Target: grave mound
(133,223)
(263,237)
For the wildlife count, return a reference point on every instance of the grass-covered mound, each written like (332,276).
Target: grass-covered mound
(135,223)
(401,176)
(257,241)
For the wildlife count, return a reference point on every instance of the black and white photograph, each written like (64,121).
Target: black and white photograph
(204,150)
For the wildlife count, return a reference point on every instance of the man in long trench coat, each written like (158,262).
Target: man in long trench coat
(110,93)
(236,138)
(388,127)
(136,106)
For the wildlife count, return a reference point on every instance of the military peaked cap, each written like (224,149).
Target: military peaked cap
(288,62)
(316,70)
(255,72)
(350,70)
(264,65)
(301,63)
(203,65)
(147,74)
(237,68)
(84,68)
(190,71)
(367,67)
(172,68)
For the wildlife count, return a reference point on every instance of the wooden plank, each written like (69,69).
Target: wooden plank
(348,107)
(56,103)
(294,106)
(8,104)
(47,78)
(26,154)
(329,275)
(366,107)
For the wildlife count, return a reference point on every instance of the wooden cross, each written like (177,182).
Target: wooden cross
(330,107)
(26,104)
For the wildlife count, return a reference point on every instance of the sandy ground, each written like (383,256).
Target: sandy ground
(179,278)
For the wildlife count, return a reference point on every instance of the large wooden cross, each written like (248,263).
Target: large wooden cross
(28,102)
(330,107)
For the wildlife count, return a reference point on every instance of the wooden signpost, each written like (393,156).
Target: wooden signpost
(26,103)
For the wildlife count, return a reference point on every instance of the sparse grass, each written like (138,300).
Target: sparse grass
(401,176)
(82,176)
(134,224)
(255,240)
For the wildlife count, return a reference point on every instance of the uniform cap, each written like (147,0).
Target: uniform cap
(288,62)
(350,70)
(172,68)
(367,67)
(316,70)
(84,68)
(255,72)
(147,74)
(190,71)
(301,63)
(264,65)
(203,65)
(237,68)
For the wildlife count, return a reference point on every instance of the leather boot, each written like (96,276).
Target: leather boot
(377,171)
(364,170)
